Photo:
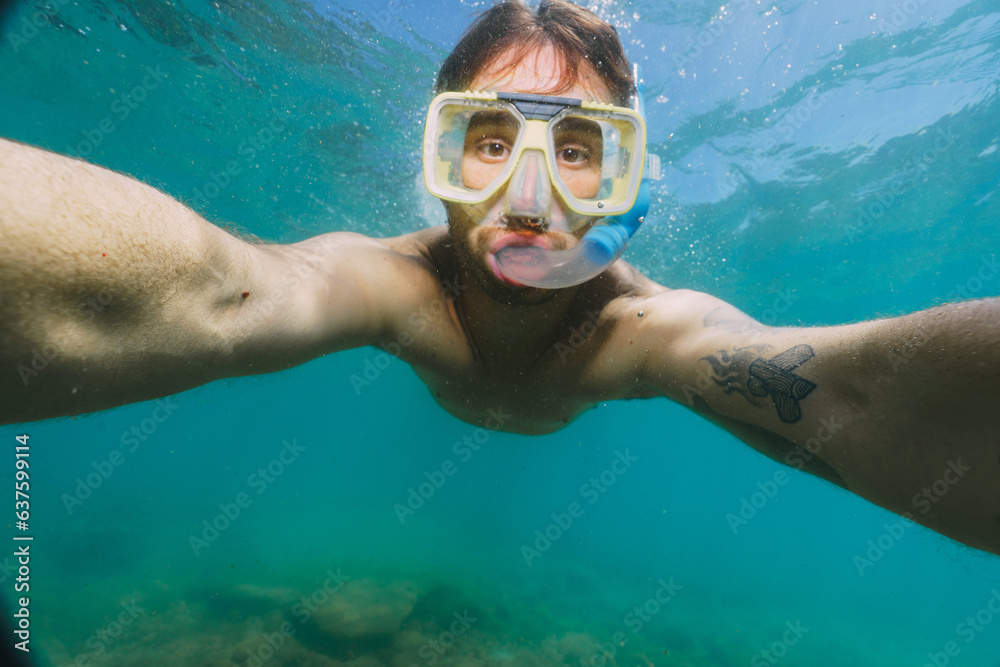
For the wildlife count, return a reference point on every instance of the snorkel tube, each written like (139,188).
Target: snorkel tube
(603,243)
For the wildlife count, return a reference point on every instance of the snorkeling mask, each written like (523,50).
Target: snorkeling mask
(592,155)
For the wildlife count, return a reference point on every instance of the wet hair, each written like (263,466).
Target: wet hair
(576,34)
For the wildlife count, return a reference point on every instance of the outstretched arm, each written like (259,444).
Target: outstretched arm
(904,412)
(112,292)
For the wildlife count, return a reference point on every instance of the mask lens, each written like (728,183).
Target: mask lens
(579,154)
(471,149)
(490,138)
(595,156)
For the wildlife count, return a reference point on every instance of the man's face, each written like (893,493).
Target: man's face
(479,231)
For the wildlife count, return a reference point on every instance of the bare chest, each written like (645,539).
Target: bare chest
(573,374)
(534,402)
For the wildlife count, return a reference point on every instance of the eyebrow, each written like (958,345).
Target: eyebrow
(482,119)
(573,124)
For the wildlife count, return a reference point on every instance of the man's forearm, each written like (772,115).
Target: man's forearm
(888,409)
(924,391)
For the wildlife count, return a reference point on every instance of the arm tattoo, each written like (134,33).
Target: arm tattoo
(729,370)
(775,377)
(764,377)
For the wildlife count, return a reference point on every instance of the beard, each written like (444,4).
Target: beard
(473,246)
(475,228)
(472,250)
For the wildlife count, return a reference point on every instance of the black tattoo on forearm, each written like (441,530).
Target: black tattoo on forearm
(730,370)
(747,373)
(775,377)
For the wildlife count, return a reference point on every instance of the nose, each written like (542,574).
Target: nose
(529,193)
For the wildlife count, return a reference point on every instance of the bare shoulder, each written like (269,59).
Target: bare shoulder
(615,326)
(639,305)
(650,331)
(428,268)
(684,316)
(424,243)
(425,330)
(415,247)
(402,268)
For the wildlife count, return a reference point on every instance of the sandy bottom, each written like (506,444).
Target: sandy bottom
(348,616)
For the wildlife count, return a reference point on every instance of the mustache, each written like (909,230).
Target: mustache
(488,237)
(517,222)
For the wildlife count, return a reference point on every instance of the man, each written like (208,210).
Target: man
(899,411)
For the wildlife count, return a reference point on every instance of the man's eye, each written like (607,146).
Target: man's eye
(574,155)
(493,149)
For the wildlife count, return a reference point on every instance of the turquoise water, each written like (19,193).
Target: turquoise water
(826,163)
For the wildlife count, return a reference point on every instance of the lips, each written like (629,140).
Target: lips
(528,264)
(519,240)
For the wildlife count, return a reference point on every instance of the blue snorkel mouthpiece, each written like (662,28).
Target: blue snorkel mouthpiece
(603,243)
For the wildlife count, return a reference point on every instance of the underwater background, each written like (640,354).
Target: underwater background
(825,163)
